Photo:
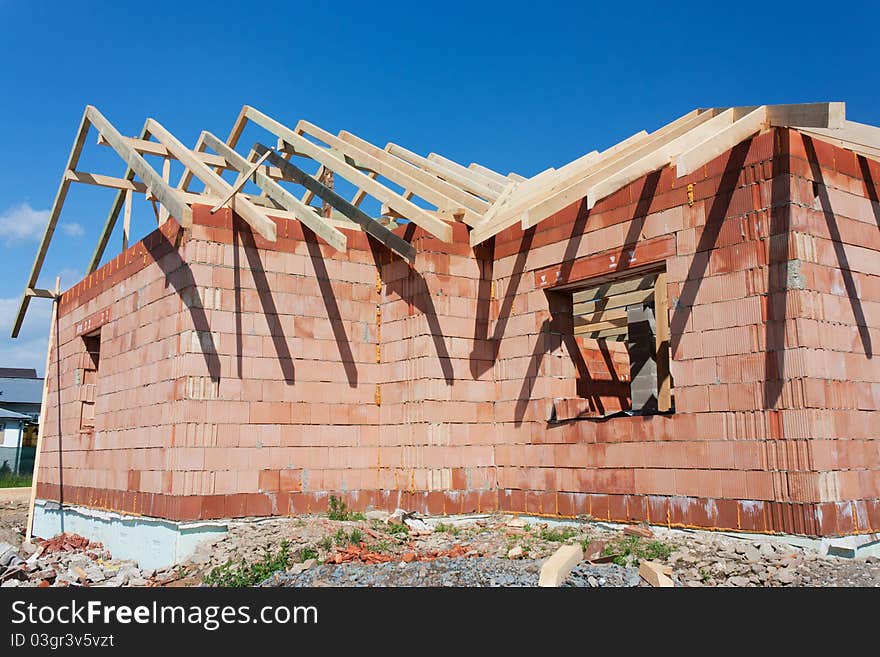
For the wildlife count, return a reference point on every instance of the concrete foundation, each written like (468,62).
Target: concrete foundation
(152,542)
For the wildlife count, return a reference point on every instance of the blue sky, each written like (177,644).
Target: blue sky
(514,86)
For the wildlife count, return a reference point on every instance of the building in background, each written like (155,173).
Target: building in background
(21,392)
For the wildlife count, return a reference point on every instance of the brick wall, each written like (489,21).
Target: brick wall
(241,377)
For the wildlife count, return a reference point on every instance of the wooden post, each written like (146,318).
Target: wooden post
(661,317)
(126,220)
(42,428)
(166,176)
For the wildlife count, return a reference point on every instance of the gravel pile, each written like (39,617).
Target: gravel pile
(474,571)
(603,575)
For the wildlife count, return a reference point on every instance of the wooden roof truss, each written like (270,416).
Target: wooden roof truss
(457,193)
(485,200)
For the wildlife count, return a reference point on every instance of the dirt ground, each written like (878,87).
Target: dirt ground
(479,550)
(13,517)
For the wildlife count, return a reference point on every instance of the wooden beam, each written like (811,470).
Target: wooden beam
(412,181)
(101,180)
(659,156)
(826,136)
(57,204)
(192,197)
(489,173)
(616,333)
(277,193)
(808,115)
(546,183)
(594,327)
(572,183)
(44,406)
(858,134)
(158,187)
(244,208)
(498,187)
(723,140)
(147,147)
(449,194)
(661,314)
(433,225)
(40,293)
(614,287)
(244,174)
(600,317)
(166,176)
(126,220)
(112,215)
(367,223)
(467,183)
(614,301)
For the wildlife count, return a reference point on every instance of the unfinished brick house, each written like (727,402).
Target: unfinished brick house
(679,329)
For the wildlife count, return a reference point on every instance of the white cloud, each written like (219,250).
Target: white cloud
(21,223)
(29,349)
(73,229)
(24,353)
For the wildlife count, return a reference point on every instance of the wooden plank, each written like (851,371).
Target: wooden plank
(276,192)
(826,136)
(615,334)
(570,188)
(489,173)
(468,173)
(600,326)
(612,288)
(433,225)
(614,301)
(659,156)
(466,183)
(369,225)
(244,208)
(54,213)
(723,140)
(455,194)
(851,131)
(158,187)
(583,166)
(101,180)
(661,314)
(812,115)
(244,174)
(147,147)
(40,293)
(414,181)
(44,406)
(112,215)
(126,220)
(601,315)
(166,176)
(655,574)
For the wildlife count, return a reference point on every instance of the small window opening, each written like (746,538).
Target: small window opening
(87,379)
(620,331)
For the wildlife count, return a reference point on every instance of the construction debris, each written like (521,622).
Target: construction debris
(638,530)
(556,568)
(656,574)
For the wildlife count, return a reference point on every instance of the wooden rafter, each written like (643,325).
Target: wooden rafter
(411,181)
(481,197)
(367,223)
(277,193)
(689,142)
(212,180)
(433,225)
